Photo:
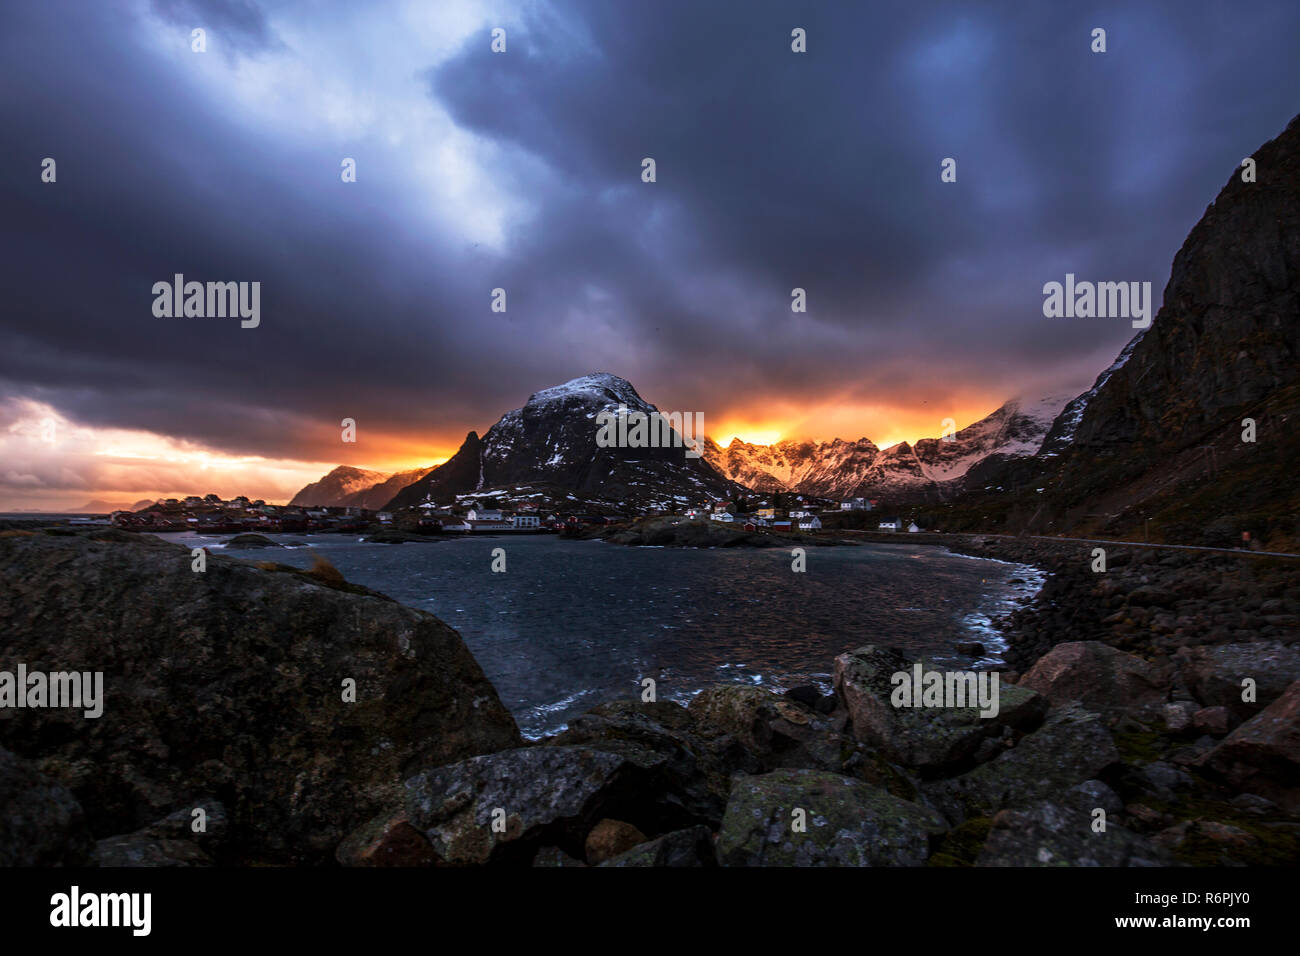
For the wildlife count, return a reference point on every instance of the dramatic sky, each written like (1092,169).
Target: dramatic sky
(522,170)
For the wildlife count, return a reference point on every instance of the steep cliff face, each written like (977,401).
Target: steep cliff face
(1167,417)
(1228,334)
(227,685)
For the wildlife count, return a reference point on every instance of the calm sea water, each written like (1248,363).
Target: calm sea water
(570,624)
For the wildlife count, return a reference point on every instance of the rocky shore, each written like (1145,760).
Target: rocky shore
(1147,601)
(1127,738)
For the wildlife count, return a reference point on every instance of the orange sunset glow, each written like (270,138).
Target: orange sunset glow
(68,466)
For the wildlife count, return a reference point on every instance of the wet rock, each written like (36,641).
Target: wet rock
(1065,832)
(1072,746)
(229,684)
(1102,679)
(692,847)
(609,838)
(687,773)
(774,730)
(501,807)
(1263,755)
(41,822)
(848,823)
(931,740)
(1214,674)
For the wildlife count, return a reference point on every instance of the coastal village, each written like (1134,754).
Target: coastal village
(211,514)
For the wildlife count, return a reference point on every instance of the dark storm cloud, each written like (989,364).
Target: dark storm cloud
(241,23)
(775,170)
(822,170)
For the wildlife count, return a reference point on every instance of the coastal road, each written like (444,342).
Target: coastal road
(905,536)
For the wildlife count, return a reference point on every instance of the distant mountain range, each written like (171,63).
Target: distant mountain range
(99,506)
(547,448)
(932,469)
(1190,431)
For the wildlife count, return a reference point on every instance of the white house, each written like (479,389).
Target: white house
(800,514)
(696,513)
(893,524)
(724,516)
(520,522)
(810,523)
(478,513)
(855,504)
(912,527)
(488,524)
(384,517)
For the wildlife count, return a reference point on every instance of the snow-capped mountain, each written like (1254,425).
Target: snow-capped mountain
(930,469)
(793,465)
(550,445)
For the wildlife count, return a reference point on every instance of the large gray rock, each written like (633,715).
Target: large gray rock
(932,740)
(1062,832)
(849,823)
(1262,756)
(773,730)
(1072,746)
(228,684)
(41,823)
(1214,673)
(1102,679)
(538,795)
(688,774)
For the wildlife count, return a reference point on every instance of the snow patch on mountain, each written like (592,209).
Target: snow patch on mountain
(1067,423)
(931,466)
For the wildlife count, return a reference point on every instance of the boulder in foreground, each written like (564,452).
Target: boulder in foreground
(228,684)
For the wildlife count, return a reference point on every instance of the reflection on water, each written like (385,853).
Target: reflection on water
(570,624)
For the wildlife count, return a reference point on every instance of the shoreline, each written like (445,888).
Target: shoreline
(1188,771)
